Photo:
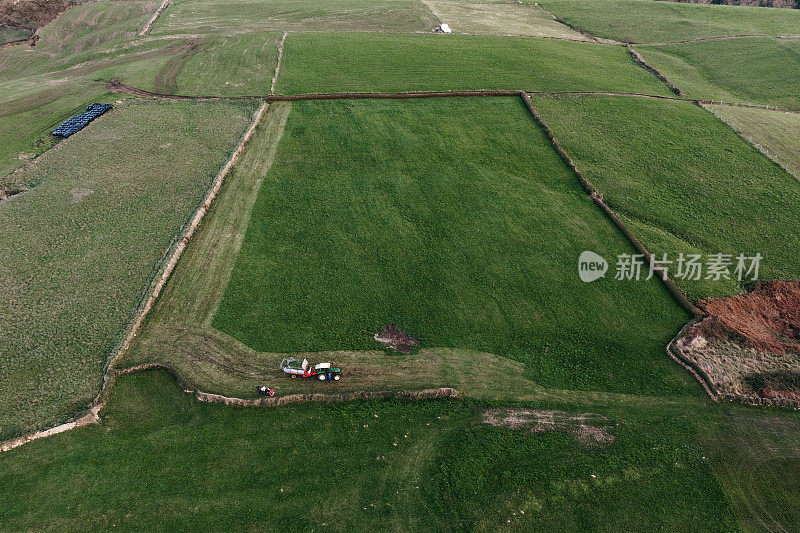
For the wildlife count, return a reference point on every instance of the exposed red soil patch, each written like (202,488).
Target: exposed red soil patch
(394,338)
(767,318)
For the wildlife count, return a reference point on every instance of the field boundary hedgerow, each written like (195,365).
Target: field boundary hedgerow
(639,60)
(93,416)
(115,86)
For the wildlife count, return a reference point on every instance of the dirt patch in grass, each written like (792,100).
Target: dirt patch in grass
(749,345)
(589,429)
(394,338)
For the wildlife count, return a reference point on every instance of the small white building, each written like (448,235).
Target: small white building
(446,28)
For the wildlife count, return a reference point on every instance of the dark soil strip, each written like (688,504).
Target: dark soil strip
(639,60)
(595,195)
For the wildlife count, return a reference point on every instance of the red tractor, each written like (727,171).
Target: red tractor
(323,371)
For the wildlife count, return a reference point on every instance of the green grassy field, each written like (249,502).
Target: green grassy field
(375,62)
(178,330)
(231,66)
(688,180)
(777,133)
(455,220)
(70,282)
(648,21)
(756,70)
(500,19)
(163,460)
(94,23)
(226,18)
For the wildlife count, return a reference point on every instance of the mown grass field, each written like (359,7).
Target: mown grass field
(777,133)
(81,247)
(226,18)
(762,70)
(646,21)
(500,19)
(455,220)
(162,460)
(392,63)
(687,181)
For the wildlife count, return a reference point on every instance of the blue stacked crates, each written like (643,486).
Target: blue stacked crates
(78,122)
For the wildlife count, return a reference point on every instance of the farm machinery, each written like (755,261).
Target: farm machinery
(322,371)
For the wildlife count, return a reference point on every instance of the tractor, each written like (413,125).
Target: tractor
(322,371)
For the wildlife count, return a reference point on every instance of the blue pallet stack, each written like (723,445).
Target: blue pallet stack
(78,122)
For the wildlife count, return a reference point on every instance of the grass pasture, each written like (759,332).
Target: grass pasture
(377,212)
(687,179)
(93,23)
(379,62)
(162,460)
(648,21)
(227,18)
(80,248)
(777,133)
(240,65)
(500,19)
(759,70)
